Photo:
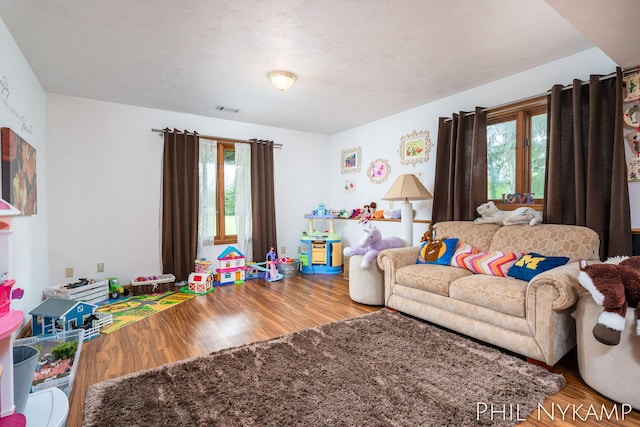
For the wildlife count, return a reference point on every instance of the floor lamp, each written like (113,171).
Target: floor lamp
(407,187)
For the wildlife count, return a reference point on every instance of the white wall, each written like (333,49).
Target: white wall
(105,183)
(381,139)
(23,110)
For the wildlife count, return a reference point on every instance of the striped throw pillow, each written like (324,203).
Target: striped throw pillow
(462,252)
(494,263)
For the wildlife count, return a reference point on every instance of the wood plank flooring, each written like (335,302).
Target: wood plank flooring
(238,314)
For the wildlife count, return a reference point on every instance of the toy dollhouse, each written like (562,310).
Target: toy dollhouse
(59,315)
(231,266)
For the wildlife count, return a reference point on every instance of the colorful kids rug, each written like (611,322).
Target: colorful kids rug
(129,310)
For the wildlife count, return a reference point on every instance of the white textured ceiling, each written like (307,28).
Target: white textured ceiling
(356,60)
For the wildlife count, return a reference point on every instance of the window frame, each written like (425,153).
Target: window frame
(221,237)
(520,112)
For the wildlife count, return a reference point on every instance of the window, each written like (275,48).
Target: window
(516,151)
(217,222)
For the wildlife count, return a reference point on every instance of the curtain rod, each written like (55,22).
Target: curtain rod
(242,141)
(608,76)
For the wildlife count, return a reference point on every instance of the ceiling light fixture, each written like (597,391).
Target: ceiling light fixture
(282,80)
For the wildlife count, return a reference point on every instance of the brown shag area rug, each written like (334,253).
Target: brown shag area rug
(380,369)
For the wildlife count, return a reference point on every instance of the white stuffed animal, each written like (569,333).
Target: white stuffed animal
(490,214)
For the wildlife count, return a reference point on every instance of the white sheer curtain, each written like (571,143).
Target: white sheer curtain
(243,199)
(207,211)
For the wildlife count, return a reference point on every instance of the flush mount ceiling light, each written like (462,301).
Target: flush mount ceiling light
(282,80)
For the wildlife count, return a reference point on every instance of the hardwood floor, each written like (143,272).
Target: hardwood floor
(238,314)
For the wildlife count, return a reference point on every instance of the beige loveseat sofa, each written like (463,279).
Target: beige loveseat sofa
(529,318)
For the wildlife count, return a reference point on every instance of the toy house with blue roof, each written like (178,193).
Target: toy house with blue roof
(58,315)
(231,266)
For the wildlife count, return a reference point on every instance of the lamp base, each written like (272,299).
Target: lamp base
(406,221)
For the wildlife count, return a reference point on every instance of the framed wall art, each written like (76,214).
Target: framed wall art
(350,186)
(350,160)
(19,186)
(379,171)
(414,147)
(633,169)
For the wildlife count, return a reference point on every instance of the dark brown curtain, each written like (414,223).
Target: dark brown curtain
(262,199)
(461,167)
(586,180)
(180,186)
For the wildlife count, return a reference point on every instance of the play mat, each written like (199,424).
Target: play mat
(129,310)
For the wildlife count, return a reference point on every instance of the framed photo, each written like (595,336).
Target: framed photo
(19,186)
(414,147)
(349,186)
(633,169)
(379,171)
(350,160)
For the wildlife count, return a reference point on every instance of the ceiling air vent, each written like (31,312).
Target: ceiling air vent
(227,109)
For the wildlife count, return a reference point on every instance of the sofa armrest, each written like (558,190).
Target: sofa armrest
(390,260)
(565,281)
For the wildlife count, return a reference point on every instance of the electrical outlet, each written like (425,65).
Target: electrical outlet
(283,250)
(68,272)
(101,267)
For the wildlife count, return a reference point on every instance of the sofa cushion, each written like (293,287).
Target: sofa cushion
(532,264)
(494,263)
(477,235)
(503,294)
(430,277)
(437,252)
(572,241)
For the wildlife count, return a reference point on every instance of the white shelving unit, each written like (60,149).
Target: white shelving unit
(50,407)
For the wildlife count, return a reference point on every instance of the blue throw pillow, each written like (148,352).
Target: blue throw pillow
(532,264)
(437,252)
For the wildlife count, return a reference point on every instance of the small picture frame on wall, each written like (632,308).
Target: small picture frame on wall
(379,171)
(350,160)
(633,169)
(350,186)
(414,147)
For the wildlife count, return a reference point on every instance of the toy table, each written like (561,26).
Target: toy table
(322,253)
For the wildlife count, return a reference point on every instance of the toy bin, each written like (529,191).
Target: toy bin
(153,284)
(288,269)
(93,292)
(50,372)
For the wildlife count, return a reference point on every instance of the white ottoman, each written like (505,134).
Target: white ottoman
(365,286)
(613,371)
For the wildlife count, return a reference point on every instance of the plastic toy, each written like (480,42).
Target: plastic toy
(269,267)
(200,282)
(202,265)
(115,288)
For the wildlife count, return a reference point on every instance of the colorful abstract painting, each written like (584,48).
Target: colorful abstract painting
(19,185)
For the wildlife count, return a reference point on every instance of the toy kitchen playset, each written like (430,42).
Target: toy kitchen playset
(322,253)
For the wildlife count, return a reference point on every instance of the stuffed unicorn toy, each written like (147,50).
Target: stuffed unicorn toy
(371,244)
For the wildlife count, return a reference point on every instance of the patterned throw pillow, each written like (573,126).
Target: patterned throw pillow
(437,252)
(494,263)
(532,264)
(463,251)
